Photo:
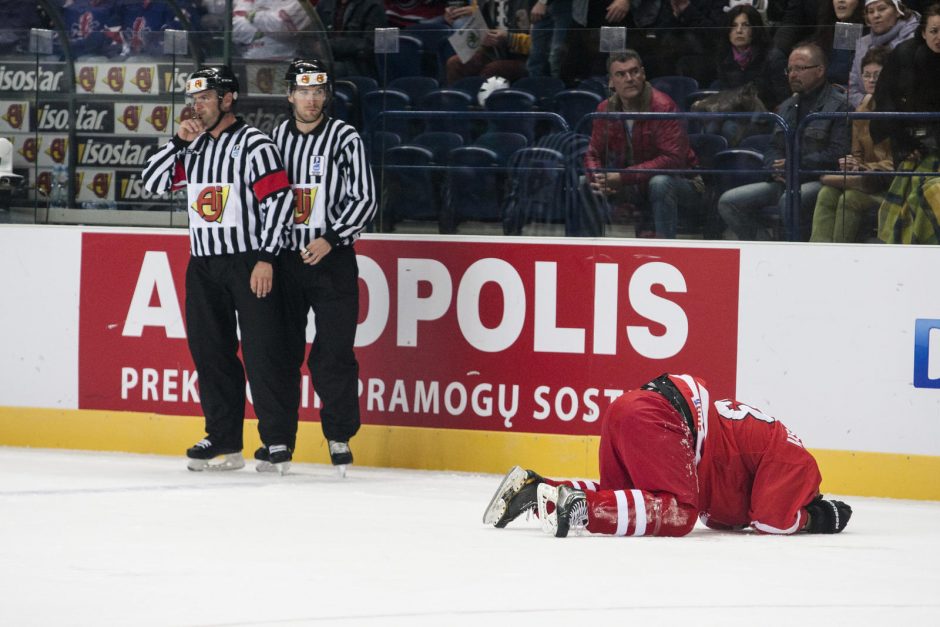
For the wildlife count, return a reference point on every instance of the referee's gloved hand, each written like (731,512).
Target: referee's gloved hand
(827,516)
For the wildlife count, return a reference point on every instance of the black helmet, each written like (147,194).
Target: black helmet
(221,79)
(304,73)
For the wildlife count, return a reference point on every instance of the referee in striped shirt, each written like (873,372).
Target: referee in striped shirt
(239,205)
(335,201)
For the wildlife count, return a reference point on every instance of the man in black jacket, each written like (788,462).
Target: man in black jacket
(351,27)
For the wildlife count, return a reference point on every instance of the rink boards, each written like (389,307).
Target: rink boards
(479,353)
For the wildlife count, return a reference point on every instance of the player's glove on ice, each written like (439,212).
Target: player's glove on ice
(827,516)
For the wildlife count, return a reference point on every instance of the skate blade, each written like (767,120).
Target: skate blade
(231,461)
(264,466)
(511,483)
(341,470)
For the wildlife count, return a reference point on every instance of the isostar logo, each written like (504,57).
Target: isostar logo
(131,117)
(87,75)
(24,78)
(143,79)
(14,115)
(210,203)
(265,80)
(95,118)
(159,117)
(101,184)
(30,148)
(304,198)
(115,78)
(173,78)
(44,182)
(58,149)
(94,152)
(263,120)
(131,187)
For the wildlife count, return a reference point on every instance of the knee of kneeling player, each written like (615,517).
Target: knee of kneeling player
(676,519)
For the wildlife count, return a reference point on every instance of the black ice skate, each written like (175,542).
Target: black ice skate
(570,513)
(340,456)
(516,495)
(274,458)
(204,455)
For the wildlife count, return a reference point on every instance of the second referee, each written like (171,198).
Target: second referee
(335,200)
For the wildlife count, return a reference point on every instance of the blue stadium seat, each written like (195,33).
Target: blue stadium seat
(447,100)
(406,62)
(469,85)
(440,143)
(599,87)
(676,87)
(706,146)
(511,100)
(377,143)
(503,144)
(573,105)
(409,190)
(537,189)
(375,102)
(417,87)
(473,187)
(757,143)
(543,88)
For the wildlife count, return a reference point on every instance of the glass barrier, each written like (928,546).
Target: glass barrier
(481,121)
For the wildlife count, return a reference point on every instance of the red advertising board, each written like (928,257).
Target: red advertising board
(498,335)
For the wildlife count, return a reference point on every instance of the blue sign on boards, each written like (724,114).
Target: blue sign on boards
(923,329)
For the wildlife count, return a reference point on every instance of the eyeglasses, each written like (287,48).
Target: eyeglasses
(871,76)
(799,68)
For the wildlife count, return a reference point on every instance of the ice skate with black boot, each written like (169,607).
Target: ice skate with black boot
(340,456)
(569,514)
(204,455)
(516,495)
(274,458)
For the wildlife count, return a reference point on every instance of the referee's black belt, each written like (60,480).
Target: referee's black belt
(664,386)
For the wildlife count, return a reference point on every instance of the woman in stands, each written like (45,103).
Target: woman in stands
(846,201)
(891,23)
(743,59)
(911,211)
(840,59)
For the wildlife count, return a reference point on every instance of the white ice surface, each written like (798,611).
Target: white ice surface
(119,539)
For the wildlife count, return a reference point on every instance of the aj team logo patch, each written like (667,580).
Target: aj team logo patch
(304,198)
(210,203)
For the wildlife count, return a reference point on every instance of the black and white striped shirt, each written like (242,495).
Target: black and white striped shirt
(238,195)
(333,186)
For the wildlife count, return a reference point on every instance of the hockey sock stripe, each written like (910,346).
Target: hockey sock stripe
(623,513)
(589,485)
(575,484)
(640,510)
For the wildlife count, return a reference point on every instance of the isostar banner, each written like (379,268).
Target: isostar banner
(144,118)
(18,77)
(466,335)
(46,150)
(94,185)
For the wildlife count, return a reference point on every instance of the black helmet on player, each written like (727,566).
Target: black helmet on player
(308,73)
(221,79)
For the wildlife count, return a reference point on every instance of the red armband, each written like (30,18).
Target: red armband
(270,184)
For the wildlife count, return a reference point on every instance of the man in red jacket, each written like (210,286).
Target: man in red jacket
(631,145)
(668,454)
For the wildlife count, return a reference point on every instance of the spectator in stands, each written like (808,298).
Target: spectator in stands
(505,45)
(551,20)
(822,142)
(351,25)
(847,201)
(92,27)
(17,20)
(911,210)
(840,59)
(405,13)
(142,23)
(583,59)
(744,57)
(268,29)
(638,144)
(797,24)
(891,23)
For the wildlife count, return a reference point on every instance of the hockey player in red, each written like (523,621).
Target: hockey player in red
(669,454)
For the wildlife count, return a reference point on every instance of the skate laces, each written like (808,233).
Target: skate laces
(203,443)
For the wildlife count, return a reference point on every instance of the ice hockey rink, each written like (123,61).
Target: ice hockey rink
(120,539)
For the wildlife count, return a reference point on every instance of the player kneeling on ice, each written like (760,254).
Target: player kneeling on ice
(668,454)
